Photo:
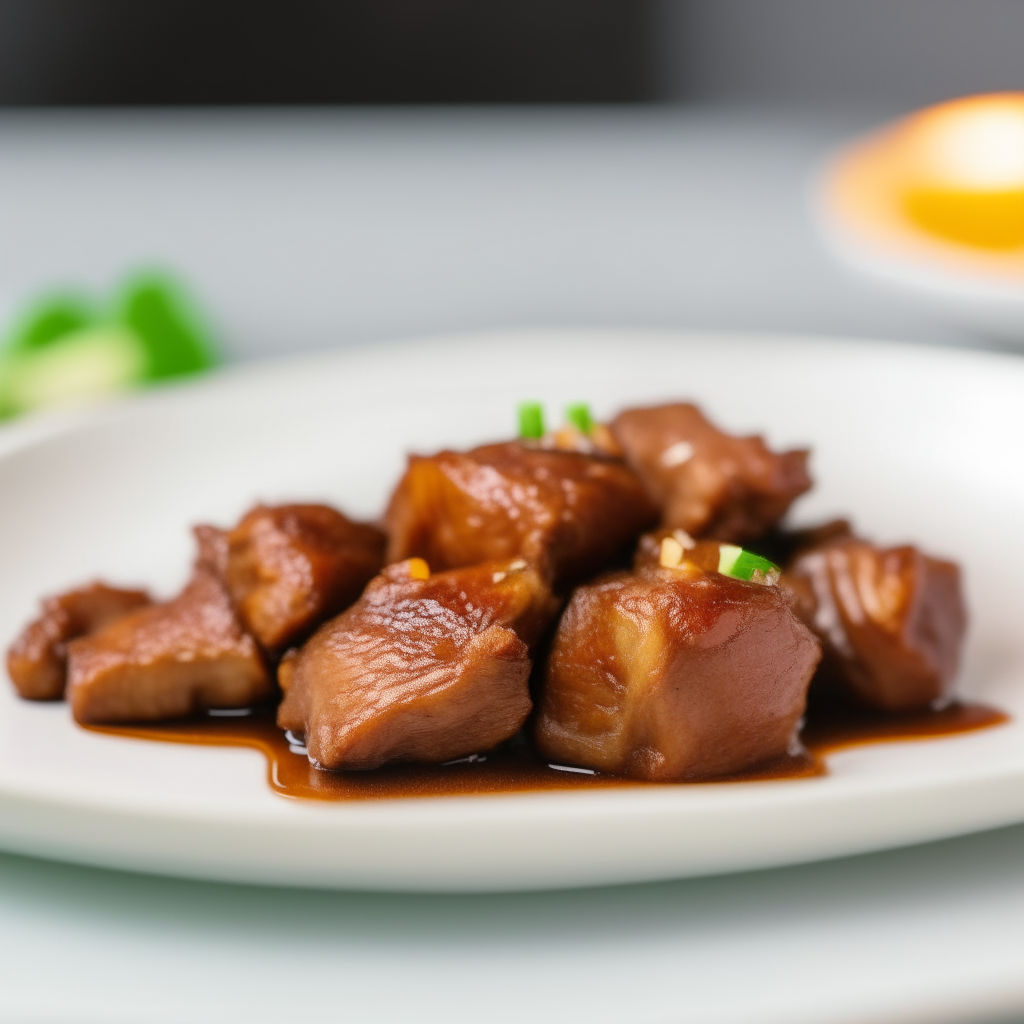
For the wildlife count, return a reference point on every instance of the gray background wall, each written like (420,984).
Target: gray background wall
(881,53)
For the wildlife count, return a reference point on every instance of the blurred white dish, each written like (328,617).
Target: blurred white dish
(913,443)
(859,216)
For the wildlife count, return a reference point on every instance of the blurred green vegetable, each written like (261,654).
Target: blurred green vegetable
(168,327)
(48,320)
(65,347)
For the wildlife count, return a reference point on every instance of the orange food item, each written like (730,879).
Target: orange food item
(963,173)
(940,191)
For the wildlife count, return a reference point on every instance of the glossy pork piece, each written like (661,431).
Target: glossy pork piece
(670,674)
(167,661)
(708,483)
(37,660)
(291,567)
(565,512)
(892,621)
(421,668)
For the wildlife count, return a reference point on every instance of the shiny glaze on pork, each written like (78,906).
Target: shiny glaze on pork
(291,567)
(423,667)
(37,660)
(167,660)
(565,512)
(891,620)
(675,673)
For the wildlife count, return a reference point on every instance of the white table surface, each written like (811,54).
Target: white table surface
(318,229)
(314,229)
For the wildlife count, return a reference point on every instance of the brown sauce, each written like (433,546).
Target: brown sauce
(516,768)
(834,728)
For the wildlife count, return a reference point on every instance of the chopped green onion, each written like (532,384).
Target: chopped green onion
(579,416)
(531,420)
(745,565)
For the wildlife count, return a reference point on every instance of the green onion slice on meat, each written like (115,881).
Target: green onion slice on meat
(745,565)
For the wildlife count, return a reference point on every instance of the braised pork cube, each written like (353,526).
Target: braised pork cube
(291,567)
(37,660)
(565,512)
(675,673)
(167,661)
(891,620)
(423,667)
(706,482)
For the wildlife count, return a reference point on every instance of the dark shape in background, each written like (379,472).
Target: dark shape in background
(893,54)
(184,52)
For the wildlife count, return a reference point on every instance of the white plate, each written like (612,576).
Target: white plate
(913,443)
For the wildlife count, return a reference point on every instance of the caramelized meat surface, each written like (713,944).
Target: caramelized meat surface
(673,674)
(167,661)
(421,668)
(706,482)
(37,660)
(565,512)
(892,621)
(291,567)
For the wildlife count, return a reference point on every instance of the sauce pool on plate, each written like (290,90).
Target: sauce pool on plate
(516,768)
